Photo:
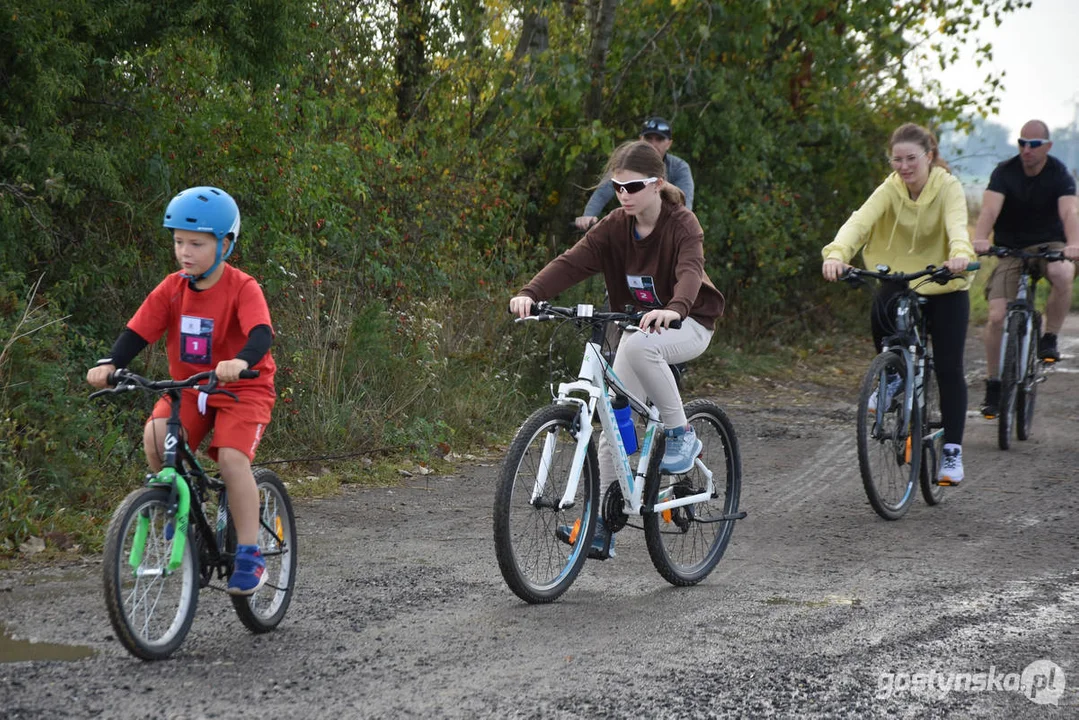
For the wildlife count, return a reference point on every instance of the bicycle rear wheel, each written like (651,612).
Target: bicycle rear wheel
(1027,390)
(1009,378)
(536,565)
(888,460)
(150,608)
(265,610)
(932,440)
(686,543)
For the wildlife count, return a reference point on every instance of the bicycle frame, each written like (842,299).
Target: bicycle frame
(594,380)
(169,476)
(911,342)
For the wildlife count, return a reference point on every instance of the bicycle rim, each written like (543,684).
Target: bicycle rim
(686,543)
(536,565)
(1028,389)
(150,610)
(1009,377)
(888,457)
(264,610)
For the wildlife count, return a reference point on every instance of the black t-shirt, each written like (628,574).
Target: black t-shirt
(1030,214)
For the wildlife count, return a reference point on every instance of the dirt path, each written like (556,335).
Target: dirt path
(819,608)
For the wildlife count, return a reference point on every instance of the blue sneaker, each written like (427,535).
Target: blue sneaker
(895,384)
(683,447)
(602,542)
(248,571)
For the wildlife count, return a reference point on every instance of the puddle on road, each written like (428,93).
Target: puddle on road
(12,650)
(829,601)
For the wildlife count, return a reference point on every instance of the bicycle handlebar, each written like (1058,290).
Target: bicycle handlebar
(1043,253)
(124,380)
(543,310)
(940,274)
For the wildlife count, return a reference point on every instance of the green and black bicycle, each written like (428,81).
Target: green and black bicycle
(162,548)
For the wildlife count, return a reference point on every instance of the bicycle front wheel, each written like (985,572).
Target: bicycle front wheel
(932,440)
(150,608)
(542,544)
(685,543)
(1009,378)
(264,610)
(1027,389)
(888,453)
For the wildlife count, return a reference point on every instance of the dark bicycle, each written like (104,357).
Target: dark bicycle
(161,548)
(900,429)
(1021,371)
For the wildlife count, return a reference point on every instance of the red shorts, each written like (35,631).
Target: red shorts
(237,425)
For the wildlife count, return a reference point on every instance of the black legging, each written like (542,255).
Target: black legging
(947,316)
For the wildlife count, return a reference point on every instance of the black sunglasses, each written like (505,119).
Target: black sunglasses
(633,186)
(1034,144)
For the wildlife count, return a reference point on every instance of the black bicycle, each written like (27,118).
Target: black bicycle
(1021,371)
(161,547)
(900,429)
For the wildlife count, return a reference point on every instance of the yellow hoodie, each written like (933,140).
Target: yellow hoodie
(907,235)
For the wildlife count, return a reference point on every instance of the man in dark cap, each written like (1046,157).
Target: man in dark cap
(657,132)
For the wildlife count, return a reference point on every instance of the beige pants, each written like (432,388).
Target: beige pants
(643,365)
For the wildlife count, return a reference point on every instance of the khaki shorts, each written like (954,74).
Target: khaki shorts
(1004,282)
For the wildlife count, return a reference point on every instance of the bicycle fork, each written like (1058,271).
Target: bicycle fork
(168,476)
(909,392)
(1025,330)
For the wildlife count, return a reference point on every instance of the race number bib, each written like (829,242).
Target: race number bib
(644,290)
(196,339)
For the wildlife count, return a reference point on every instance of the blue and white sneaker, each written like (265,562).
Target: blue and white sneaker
(602,547)
(248,571)
(895,384)
(683,447)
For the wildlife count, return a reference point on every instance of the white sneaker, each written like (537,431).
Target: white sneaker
(951,467)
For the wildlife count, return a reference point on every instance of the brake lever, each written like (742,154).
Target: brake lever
(852,278)
(113,390)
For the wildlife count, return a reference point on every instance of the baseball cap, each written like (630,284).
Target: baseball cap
(656,126)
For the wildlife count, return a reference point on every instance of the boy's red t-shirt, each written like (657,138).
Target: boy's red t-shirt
(205,327)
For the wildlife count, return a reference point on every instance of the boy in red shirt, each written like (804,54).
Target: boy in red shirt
(214,317)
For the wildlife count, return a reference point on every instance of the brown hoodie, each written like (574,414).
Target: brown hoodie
(663,270)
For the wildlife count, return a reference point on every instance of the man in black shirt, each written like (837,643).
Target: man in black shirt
(1030,201)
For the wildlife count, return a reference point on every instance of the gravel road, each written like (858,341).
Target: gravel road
(818,609)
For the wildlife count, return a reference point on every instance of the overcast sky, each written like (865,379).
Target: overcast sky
(1039,49)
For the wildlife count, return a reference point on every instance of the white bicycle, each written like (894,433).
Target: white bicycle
(550,479)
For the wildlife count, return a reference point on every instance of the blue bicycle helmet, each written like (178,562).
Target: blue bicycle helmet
(205,209)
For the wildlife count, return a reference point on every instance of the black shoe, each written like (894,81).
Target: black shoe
(602,541)
(991,406)
(1047,348)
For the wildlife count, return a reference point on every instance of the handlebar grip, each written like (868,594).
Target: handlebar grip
(675,325)
(972,266)
(248,374)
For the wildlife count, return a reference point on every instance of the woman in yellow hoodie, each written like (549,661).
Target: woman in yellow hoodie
(915,218)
